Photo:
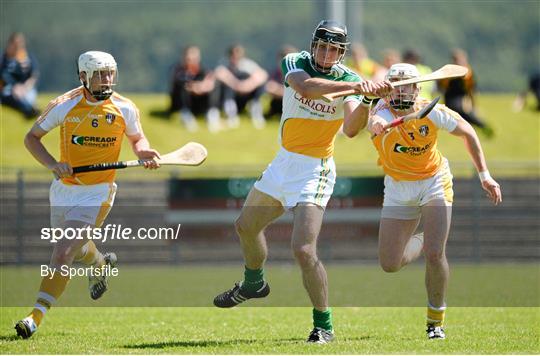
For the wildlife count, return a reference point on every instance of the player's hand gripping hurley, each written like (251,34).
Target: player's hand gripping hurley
(447,71)
(420,114)
(191,154)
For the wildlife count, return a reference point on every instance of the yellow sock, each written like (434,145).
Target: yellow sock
(37,314)
(435,316)
(90,255)
(49,291)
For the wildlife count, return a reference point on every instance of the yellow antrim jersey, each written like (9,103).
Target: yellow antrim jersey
(309,126)
(409,151)
(90,132)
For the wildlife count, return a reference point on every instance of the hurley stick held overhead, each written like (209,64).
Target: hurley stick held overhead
(447,71)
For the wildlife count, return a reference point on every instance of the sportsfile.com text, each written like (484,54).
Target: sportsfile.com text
(110,232)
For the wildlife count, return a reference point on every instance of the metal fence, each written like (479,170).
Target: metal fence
(479,231)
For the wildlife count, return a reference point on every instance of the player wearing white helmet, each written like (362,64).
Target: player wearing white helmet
(403,97)
(301,177)
(93,119)
(98,73)
(418,183)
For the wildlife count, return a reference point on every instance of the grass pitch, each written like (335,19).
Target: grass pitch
(271,331)
(510,325)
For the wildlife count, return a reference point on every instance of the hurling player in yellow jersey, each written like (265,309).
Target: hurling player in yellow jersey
(301,177)
(93,119)
(418,183)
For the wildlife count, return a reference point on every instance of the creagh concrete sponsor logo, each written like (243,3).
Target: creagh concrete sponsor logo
(413,151)
(95,141)
(316,105)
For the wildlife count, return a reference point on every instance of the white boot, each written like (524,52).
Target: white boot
(189,120)
(213,120)
(257,118)
(231,110)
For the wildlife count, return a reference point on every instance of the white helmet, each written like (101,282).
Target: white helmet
(96,62)
(400,71)
(403,97)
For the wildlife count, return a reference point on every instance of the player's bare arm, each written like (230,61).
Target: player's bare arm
(357,116)
(314,88)
(33,144)
(355,119)
(141,148)
(472,143)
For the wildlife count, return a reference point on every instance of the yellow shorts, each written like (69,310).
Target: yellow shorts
(87,203)
(404,199)
(294,178)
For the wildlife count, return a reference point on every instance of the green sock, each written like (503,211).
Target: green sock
(323,319)
(253,279)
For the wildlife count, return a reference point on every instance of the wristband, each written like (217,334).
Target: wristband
(366,101)
(484,175)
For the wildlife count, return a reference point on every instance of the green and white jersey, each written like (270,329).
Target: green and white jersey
(309,126)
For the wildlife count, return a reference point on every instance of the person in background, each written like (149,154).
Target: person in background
(192,91)
(390,57)
(19,75)
(427,89)
(533,87)
(459,93)
(241,82)
(360,62)
(274,86)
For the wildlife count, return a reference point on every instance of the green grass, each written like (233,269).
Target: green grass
(493,309)
(351,285)
(246,151)
(271,331)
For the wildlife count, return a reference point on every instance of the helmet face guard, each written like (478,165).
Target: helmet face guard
(329,37)
(101,74)
(402,97)
(101,84)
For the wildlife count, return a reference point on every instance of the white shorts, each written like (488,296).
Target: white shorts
(87,203)
(294,178)
(404,199)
